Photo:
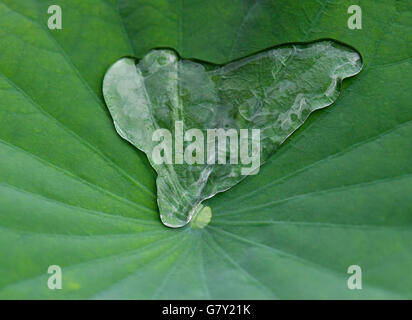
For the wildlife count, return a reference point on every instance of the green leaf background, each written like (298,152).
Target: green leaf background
(73,193)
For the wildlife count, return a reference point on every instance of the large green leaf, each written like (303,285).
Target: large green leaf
(73,193)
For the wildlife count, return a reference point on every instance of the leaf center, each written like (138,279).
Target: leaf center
(201,218)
